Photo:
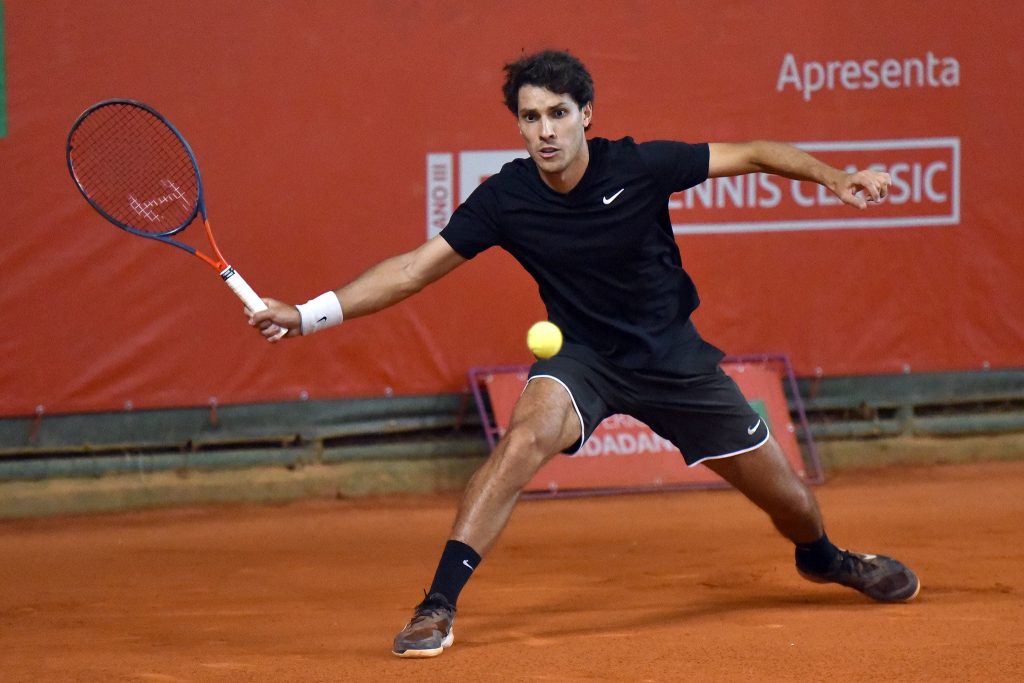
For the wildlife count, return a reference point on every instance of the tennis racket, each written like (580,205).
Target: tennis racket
(139,173)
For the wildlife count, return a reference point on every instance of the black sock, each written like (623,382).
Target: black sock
(453,571)
(816,556)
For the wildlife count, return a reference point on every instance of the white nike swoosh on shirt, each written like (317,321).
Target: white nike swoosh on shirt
(751,430)
(609,200)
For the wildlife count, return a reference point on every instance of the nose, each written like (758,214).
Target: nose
(547,129)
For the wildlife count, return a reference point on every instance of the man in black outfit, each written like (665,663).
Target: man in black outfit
(588,219)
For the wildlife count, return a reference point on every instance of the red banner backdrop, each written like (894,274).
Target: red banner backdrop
(332,135)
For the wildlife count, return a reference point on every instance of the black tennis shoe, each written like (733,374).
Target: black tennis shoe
(879,577)
(429,631)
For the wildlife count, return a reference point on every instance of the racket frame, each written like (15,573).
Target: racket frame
(219,263)
(228,274)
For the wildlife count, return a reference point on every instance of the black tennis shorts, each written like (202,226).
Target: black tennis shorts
(704,415)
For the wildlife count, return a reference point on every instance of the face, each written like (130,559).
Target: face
(553,128)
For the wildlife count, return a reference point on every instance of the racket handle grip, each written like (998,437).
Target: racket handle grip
(249,297)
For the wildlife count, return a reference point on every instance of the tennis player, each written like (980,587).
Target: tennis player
(588,219)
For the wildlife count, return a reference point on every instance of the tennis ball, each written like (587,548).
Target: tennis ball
(544,339)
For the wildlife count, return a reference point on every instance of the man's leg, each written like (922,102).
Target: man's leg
(766,478)
(544,422)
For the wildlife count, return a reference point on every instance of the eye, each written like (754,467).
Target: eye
(529,118)
(561,113)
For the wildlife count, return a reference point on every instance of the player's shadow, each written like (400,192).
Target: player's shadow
(610,614)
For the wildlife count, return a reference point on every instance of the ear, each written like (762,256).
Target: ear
(587,113)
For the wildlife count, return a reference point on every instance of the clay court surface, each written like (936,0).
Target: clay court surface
(662,587)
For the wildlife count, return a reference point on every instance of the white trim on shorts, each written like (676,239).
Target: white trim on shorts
(583,432)
(739,452)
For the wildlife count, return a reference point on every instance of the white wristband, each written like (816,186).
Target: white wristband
(320,313)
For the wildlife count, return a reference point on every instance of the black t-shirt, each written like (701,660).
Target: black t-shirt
(603,255)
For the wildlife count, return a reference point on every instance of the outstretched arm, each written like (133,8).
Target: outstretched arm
(383,285)
(855,189)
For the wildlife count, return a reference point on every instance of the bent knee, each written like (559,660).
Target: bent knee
(527,445)
(522,453)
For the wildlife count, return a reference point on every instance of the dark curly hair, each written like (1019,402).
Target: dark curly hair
(556,70)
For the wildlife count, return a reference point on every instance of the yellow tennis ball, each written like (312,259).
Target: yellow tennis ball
(544,339)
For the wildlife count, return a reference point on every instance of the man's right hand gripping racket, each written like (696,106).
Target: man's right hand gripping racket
(139,173)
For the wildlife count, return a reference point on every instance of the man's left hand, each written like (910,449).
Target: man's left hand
(857,189)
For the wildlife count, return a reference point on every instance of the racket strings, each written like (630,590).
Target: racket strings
(135,168)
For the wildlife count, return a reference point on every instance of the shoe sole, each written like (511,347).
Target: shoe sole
(816,579)
(916,591)
(429,652)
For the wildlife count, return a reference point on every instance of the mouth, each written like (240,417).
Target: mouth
(547,152)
